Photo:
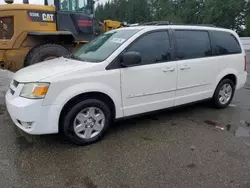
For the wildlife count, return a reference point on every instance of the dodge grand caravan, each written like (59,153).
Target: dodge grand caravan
(126,72)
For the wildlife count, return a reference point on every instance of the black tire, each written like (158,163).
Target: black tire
(67,123)
(216,97)
(42,52)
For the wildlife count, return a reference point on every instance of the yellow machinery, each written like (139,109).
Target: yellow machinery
(109,25)
(33,33)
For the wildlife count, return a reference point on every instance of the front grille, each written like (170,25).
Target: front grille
(6,28)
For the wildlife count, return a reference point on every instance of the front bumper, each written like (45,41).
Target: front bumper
(30,116)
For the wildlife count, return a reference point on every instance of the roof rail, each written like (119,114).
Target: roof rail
(171,23)
(157,23)
(206,25)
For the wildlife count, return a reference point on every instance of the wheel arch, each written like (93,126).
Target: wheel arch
(230,75)
(88,95)
(227,73)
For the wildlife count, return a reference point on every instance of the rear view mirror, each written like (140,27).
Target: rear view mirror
(130,59)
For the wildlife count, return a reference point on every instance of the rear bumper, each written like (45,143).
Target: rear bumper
(242,79)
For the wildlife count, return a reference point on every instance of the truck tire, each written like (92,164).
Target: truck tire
(45,52)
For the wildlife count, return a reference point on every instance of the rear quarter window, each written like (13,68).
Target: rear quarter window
(226,43)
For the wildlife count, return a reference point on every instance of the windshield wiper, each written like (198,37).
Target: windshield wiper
(72,56)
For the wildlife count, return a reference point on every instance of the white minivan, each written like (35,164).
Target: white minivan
(126,72)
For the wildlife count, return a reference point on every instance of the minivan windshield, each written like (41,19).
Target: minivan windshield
(103,46)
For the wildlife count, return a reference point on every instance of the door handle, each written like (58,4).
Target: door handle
(169,69)
(185,67)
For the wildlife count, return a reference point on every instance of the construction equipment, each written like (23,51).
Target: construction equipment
(33,33)
(109,25)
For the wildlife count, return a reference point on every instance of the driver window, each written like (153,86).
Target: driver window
(153,47)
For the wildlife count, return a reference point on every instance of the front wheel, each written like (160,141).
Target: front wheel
(224,94)
(86,122)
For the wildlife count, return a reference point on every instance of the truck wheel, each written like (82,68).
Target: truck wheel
(86,122)
(45,52)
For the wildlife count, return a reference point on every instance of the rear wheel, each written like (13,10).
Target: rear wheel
(45,52)
(86,122)
(224,94)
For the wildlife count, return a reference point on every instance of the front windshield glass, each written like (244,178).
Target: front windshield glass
(77,6)
(103,46)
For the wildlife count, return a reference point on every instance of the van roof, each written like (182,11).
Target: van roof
(172,26)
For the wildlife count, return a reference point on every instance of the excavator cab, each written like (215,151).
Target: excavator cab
(77,16)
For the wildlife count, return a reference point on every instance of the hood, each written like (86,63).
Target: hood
(49,68)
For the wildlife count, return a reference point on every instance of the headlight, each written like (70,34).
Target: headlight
(35,90)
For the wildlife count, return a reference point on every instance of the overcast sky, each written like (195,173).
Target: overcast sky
(39,1)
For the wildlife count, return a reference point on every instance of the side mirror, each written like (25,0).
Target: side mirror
(130,58)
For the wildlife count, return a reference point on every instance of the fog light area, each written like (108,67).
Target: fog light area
(26,125)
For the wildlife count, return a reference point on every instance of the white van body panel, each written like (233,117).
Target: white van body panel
(133,90)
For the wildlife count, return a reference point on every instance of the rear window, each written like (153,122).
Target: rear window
(192,44)
(226,43)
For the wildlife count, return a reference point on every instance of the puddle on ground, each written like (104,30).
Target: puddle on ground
(242,130)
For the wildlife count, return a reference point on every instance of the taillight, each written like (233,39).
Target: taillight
(245,68)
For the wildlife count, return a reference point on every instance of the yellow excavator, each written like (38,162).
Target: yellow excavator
(34,33)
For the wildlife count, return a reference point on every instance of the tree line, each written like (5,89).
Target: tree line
(232,14)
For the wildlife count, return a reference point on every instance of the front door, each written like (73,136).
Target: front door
(197,69)
(152,84)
